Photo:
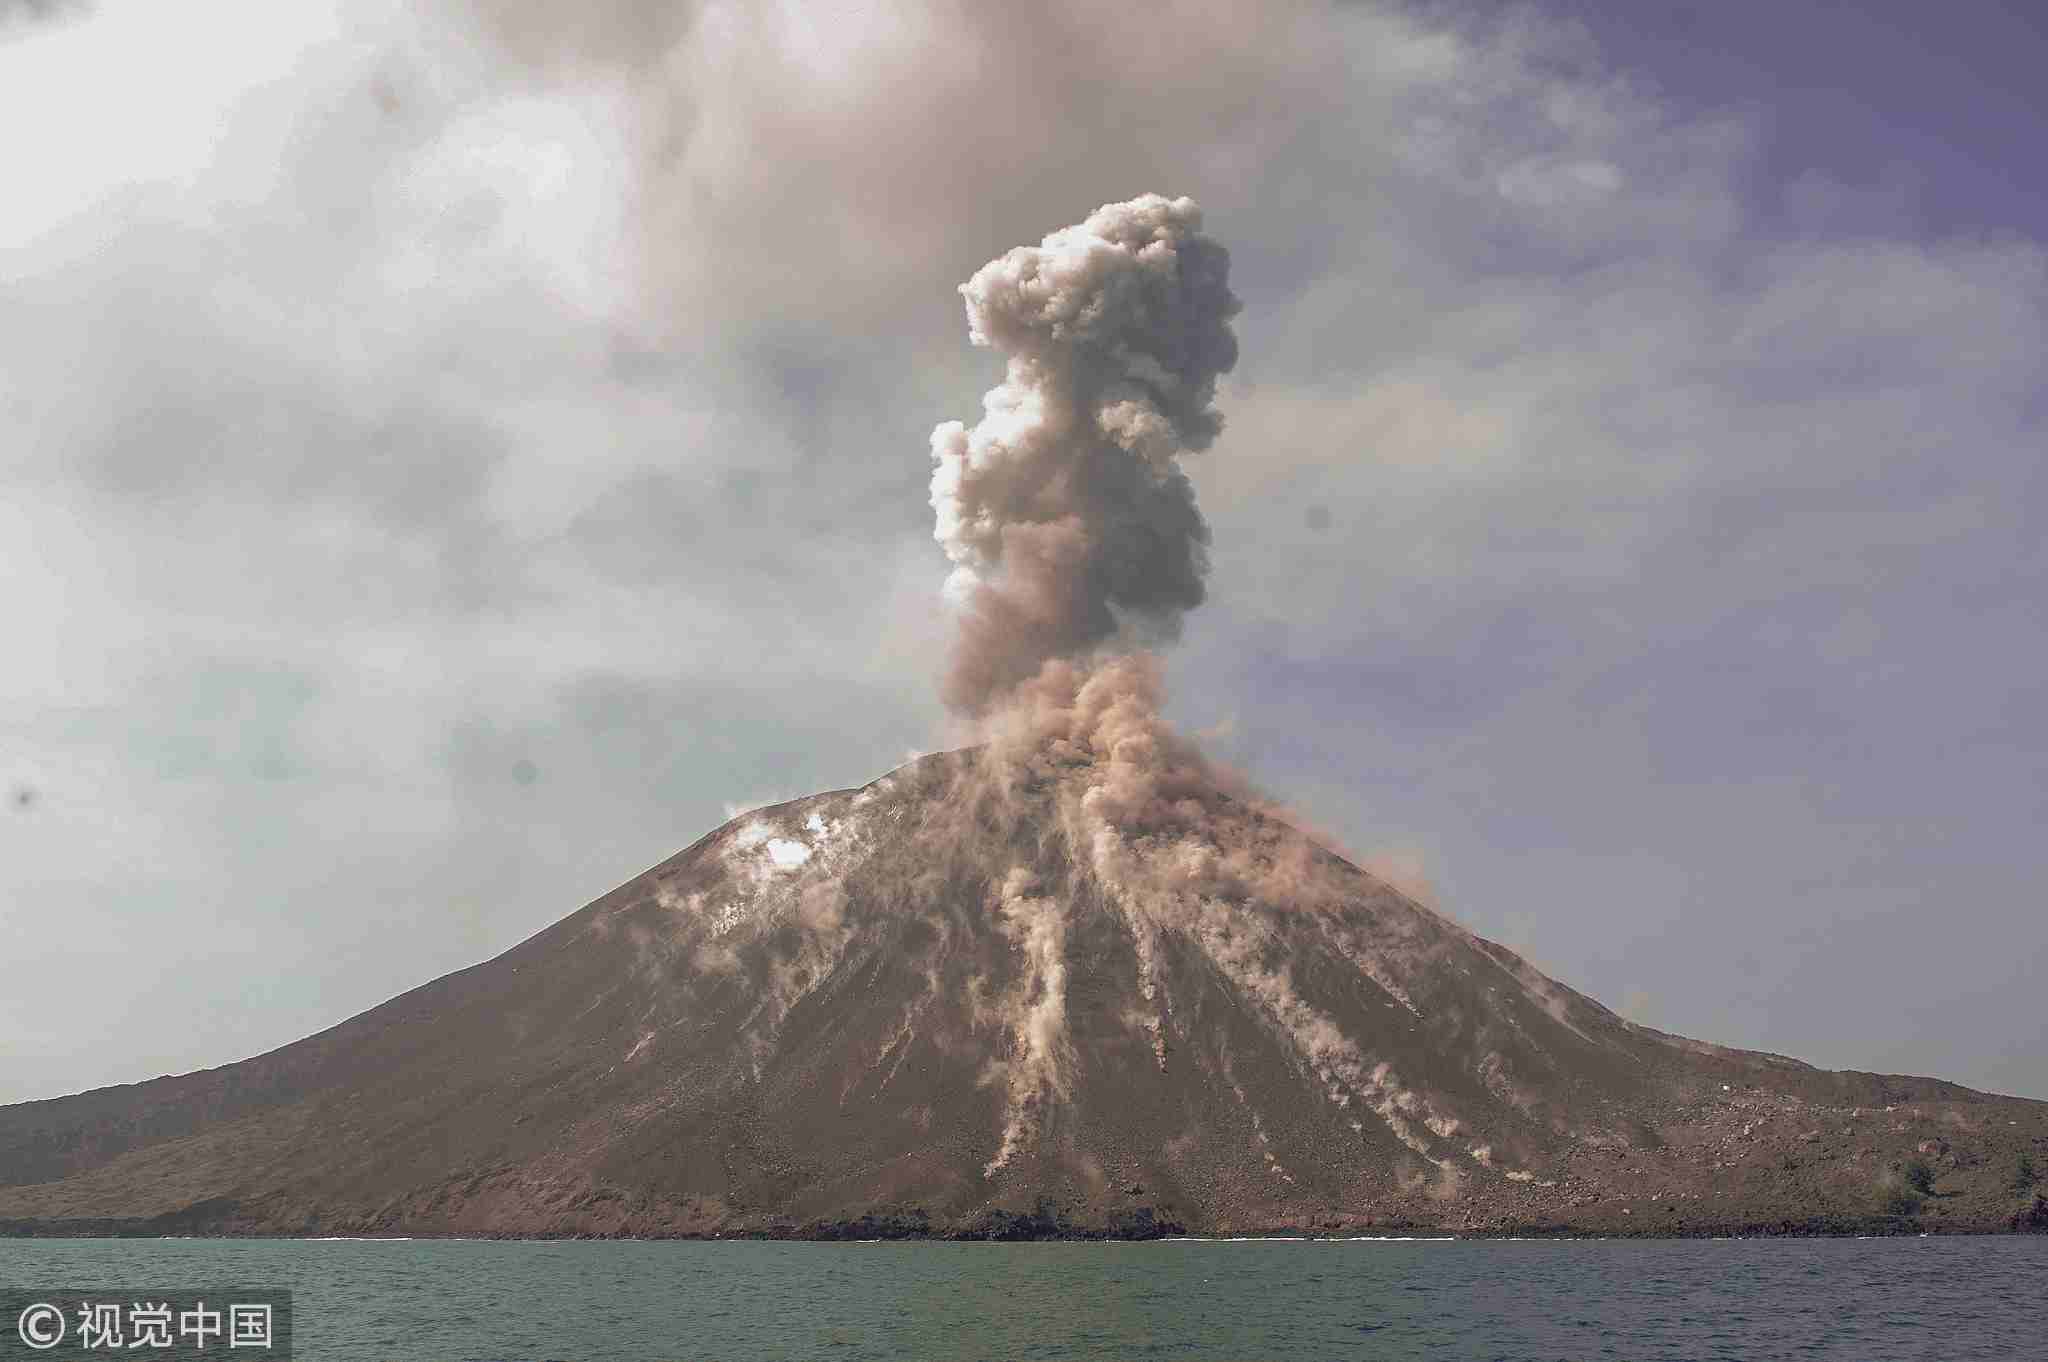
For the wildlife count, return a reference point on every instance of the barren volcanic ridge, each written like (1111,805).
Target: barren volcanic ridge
(1072,978)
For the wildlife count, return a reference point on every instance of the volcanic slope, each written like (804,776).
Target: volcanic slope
(973,997)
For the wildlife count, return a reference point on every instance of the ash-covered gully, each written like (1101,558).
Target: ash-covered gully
(1074,978)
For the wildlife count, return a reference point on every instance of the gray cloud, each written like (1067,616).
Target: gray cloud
(15,14)
(1065,510)
(565,41)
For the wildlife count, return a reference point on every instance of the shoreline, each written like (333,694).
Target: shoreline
(1876,1227)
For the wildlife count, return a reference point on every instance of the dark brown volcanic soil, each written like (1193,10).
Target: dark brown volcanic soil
(835,1016)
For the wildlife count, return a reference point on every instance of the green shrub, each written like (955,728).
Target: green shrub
(2024,1174)
(1920,1177)
(1901,1202)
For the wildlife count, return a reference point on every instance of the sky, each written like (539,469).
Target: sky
(461,451)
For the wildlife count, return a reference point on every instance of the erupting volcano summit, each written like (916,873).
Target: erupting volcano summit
(1071,978)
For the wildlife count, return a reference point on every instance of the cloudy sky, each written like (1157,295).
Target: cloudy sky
(458,450)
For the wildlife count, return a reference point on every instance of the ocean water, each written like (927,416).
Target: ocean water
(1868,1300)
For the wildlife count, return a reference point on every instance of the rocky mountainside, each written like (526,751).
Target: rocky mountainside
(981,996)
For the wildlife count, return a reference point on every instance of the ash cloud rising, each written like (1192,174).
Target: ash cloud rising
(1072,526)
(1065,511)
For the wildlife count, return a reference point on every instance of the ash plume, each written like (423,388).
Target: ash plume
(1065,511)
(1074,533)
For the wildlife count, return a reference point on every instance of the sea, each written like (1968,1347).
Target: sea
(355,1300)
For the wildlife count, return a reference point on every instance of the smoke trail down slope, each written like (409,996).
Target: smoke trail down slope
(1065,510)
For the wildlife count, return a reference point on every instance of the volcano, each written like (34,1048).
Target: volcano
(979,997)
(1074,980)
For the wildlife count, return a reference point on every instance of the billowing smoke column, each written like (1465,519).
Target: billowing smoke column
(1065,510)
(1075,541)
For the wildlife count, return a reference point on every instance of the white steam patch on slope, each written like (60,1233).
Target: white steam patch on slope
(759,862)
(773,874)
